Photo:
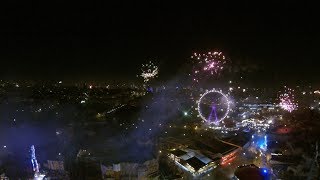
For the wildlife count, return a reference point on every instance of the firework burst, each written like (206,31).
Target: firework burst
(149,71)
(287,100)
(209,64)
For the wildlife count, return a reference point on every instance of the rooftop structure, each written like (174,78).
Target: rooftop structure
(192,161)
(195,163)
(250,172)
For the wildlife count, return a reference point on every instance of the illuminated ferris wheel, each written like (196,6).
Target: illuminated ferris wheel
(213,106)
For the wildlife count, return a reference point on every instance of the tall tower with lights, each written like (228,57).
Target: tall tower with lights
(34,161)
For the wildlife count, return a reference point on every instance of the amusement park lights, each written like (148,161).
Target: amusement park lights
(213,110)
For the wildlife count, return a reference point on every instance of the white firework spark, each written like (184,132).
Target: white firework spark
(149,71)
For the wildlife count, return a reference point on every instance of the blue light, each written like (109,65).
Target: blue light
(265,171)
(265,141)
(34,161)
(150,89)
(261,142)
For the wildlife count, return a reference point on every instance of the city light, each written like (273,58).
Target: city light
(155,91)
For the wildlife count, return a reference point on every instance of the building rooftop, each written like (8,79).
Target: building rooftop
(239,140)
(249,173)
(187,156)
(214,146)
(195,163)
(203,158)
(285,159)
(178,152)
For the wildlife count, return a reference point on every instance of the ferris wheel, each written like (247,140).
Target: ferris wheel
(213,106)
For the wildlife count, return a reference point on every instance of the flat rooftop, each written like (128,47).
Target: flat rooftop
(178,152)
(195,163)
(214,146)
(239,140)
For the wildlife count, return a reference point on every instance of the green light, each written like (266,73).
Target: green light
(185,113)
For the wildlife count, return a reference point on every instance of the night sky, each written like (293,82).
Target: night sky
(103,41)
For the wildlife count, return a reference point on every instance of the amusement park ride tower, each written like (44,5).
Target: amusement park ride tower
(35,165)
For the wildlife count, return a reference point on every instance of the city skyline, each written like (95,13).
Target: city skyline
(159,90)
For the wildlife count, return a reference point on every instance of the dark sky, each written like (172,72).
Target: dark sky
(103,41)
